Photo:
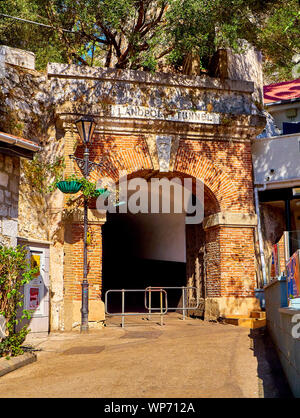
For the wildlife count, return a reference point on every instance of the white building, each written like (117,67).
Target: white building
(276,163)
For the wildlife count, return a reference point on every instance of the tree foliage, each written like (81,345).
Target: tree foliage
(152,34)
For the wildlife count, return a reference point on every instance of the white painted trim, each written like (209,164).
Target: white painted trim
(9,139)
(282,183)
(296,135)
(35,241)
(289,311)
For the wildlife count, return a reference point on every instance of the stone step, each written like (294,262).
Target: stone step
(253,323)
(258,314)
(246,322)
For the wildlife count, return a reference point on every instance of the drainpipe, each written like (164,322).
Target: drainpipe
(288,227)
(260,237)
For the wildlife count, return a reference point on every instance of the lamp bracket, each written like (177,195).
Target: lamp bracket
(91,164)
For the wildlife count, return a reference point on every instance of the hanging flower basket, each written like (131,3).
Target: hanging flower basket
(99,192)
(70,187)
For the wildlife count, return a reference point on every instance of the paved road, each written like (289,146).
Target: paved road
(189,358)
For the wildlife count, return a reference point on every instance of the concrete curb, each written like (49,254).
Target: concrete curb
(14,363)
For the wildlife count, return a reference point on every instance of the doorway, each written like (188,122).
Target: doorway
(36,293)
(154,249)
(143,250)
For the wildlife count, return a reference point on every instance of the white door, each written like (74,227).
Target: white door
(36,293)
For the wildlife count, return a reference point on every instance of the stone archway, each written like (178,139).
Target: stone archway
(141,250)
(222,253)
(162,124)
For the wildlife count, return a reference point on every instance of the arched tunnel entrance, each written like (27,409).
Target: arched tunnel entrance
(143,250)
(152,249)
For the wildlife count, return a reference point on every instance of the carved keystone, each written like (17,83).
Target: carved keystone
(163,144)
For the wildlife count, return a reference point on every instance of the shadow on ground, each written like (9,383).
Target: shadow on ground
(269,370)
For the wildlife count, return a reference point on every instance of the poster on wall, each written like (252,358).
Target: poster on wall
(293,276)
(34,291)
(34,298)
(35,261)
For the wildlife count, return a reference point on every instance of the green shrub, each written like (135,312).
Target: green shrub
(15,272)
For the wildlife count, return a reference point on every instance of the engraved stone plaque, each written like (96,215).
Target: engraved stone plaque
(163,144)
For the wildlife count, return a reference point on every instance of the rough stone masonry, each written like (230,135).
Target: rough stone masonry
(9,195)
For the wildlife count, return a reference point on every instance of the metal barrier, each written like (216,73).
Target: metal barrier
(150,309)
(184,305)
(123,313)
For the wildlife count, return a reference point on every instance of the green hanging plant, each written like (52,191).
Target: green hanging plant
(99,192)
(69,187)
(73,184)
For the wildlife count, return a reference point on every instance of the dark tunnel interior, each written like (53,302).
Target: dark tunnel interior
(123,268)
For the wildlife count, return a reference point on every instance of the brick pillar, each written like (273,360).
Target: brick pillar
(213,263)
(237,262)
(230,265)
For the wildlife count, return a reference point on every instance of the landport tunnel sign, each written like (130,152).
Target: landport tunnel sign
(175,115)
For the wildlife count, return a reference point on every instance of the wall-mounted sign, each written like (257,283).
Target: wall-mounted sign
(175,115)
(34,297)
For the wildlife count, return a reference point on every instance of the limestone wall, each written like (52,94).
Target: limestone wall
(17,56)
(9,195)
(26,110)
(75,88)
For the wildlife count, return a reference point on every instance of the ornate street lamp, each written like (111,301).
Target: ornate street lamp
(85,126)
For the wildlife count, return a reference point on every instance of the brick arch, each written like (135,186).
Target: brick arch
(217,181)
(131,153)
(211,203)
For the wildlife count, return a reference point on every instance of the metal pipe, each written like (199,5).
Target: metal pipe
(149,316)
(288,225)
(175,308)
(260,237)
(161,314)
(123,308)
(85,285)
(165,310)
(183,303)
